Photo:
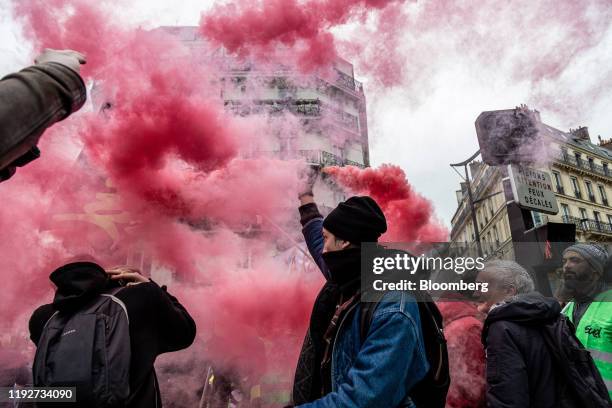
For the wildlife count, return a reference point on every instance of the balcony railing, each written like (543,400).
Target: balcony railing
(327,159)
(345,80)
(348,82)
(581,164)
(348,162)
(307,107)
(318,108)
(311,156)
(330,159)
(588,225)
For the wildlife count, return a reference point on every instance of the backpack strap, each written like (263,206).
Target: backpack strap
(111,294)
(426,311)
(367,314)
(49,319)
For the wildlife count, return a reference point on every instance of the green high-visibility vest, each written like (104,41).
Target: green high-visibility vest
(595,333)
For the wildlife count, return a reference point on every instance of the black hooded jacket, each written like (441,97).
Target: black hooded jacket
(158,322)
(520,370)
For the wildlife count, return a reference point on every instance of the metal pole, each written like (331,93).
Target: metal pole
(470,200)
(473,211)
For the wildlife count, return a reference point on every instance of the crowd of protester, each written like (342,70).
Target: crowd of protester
(513,347)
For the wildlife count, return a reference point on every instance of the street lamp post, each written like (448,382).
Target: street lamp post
(471,199)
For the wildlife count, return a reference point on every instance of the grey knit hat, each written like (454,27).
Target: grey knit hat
(596,255)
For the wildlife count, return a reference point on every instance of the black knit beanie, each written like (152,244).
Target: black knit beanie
(358,219)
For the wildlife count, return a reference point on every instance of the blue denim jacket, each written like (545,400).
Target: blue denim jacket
(381,371)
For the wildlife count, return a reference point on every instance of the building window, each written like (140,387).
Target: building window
(591,163)
(610,221)
(584,219)
(558,183)
(576,187)
(578,157)
(605,167)
(589,188)
(602,193)
(566,212)
(597,220)
(537,217)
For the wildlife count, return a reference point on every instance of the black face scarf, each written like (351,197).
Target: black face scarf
(344,266)
(345,269)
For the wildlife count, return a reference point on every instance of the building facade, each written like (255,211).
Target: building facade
(582,182)
(330,110)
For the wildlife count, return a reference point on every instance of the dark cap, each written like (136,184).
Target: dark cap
(358,219)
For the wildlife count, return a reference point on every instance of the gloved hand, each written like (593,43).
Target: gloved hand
(71,59)
(309,177)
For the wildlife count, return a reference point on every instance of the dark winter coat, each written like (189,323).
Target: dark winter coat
(158,324)
(31,100)
(520,370)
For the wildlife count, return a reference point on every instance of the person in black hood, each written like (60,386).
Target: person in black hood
(158,322)
(338,367)
(520,370)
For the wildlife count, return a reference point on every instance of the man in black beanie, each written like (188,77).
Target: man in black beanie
(337,367)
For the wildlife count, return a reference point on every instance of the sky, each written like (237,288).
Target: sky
(453,60)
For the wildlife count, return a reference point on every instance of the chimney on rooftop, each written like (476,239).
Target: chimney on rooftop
(582,133)
(605,143)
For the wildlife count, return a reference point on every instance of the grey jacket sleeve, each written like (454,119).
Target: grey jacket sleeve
(31,100)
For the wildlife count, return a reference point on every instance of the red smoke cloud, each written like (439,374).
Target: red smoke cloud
(166,151)
(410,216)
(74,24)
(261,26)
(533,43)
(382,57)
(155,179)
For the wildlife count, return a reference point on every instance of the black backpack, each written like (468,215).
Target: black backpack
(582,382)
(431,391)
(88,349)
